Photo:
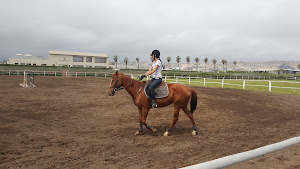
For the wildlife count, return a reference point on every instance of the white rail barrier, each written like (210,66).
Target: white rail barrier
(244,84)
(172,79)
(56,73)
(245,156)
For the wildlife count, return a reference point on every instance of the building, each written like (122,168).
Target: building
(65,58)
(285,69)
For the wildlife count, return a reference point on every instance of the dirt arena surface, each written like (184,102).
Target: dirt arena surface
(71,122)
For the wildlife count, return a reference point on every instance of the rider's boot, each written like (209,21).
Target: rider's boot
(153,98)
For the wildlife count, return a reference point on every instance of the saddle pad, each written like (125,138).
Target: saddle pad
(161,91)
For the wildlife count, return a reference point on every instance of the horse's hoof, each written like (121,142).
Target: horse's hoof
(194,133)
(154,130)
(166,133)
(138,133)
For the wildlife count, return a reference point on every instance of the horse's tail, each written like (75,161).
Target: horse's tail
(193,100)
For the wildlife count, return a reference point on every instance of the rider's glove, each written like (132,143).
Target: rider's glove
(142,77)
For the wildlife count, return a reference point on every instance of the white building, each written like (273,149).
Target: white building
(65,58)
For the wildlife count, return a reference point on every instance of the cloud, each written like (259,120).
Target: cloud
(248,30)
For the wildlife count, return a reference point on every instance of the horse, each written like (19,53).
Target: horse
(178,94)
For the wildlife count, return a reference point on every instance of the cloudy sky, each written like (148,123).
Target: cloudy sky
(241,30)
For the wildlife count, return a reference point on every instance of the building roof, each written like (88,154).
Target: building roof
(55,52)
(285,67)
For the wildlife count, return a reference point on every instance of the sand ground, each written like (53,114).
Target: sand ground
(71,122)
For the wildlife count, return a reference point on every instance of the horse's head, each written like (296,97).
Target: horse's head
(115,84)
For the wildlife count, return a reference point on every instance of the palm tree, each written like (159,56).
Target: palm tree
(126,61)
(224,62)
(197,61)
(205,60)
(169,59)
(116,59)
(138,61)
(214,61)
(188,59)
(178,60)
(234,62)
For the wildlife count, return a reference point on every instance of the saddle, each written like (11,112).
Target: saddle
(161,90)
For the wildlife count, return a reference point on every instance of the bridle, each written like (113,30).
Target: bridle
(115,86)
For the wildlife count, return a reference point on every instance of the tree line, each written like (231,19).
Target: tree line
(178,58)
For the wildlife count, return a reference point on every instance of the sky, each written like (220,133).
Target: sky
(235,30)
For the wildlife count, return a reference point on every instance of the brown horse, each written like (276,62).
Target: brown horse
(178,94)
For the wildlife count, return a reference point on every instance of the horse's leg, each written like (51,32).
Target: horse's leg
(144,118)
(140,131)
(175,119)
(190,115)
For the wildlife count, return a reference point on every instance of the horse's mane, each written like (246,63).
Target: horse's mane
(139,83)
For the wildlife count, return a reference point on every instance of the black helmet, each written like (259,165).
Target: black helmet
(156,53)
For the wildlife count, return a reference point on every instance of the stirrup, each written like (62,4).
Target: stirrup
(154,104)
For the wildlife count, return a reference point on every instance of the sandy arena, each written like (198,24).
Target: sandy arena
(71,122)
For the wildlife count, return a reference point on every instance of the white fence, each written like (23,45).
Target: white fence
(56,73)
(233,80)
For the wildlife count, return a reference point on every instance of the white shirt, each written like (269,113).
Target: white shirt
(157,73)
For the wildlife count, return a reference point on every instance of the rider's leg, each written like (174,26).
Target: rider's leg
(151,91)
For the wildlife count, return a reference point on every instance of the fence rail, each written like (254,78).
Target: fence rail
(233,82)
(239,81)
(56,73)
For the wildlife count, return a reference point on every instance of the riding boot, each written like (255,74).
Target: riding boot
(153,98)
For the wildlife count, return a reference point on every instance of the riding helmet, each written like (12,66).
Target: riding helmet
(156,53)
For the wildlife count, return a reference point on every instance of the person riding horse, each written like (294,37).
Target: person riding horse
(155,69)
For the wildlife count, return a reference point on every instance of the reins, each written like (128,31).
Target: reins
(120,88)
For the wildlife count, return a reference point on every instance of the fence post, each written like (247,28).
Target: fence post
(76,74)
(95,74)
(9,72)
(189,80)
(166,78)
(44,73)
(270,86)
(217,76)
(104,74)
(18,72)
(85,74)
(222,83)
(244,84)
(204,81)
(55,73)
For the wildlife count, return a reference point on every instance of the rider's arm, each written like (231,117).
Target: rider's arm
(150,69)
(150,72)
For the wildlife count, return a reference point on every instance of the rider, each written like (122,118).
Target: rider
(155,69)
